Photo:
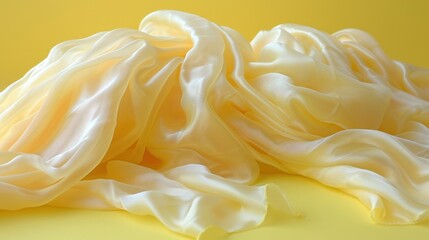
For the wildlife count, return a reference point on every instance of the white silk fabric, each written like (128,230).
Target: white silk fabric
(176,119)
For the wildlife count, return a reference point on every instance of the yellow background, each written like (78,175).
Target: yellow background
(30,28)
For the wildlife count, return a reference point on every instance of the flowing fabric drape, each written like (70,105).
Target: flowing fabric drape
(175,119)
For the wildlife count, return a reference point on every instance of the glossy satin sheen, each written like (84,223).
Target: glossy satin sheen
(176,120)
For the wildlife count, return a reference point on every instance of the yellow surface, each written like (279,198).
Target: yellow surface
(29,29)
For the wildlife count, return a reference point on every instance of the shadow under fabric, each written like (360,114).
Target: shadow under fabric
(172,120)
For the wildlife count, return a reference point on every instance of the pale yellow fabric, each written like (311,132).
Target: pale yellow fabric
(174,120)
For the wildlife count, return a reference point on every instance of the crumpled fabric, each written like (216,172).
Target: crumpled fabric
(178,118)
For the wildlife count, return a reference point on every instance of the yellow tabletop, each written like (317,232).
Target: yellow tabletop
(29,29)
